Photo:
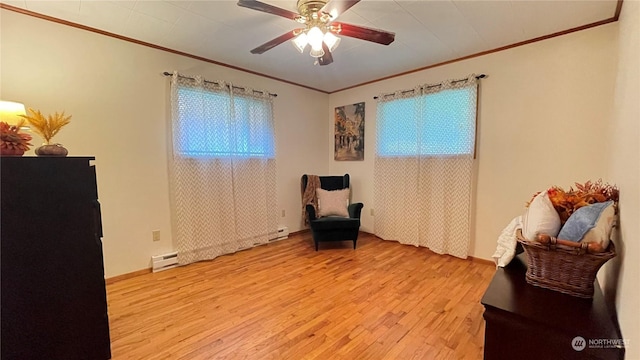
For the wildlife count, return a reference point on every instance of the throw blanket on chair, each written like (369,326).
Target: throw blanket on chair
(309,195)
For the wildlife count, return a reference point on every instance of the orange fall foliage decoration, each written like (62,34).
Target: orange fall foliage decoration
(566,202)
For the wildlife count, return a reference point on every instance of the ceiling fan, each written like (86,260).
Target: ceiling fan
(320,29)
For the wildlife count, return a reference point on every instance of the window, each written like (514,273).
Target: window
(214,124)
(436,124)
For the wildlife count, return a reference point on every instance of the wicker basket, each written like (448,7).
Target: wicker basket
(567,270)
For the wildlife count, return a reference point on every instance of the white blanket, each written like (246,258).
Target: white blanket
(507,243)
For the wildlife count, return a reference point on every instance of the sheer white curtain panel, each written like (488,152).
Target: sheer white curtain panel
(222,168)
(423,168)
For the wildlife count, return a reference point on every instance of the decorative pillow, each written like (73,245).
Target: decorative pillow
(540,218)
(333,203)
(602,231)
(591,223)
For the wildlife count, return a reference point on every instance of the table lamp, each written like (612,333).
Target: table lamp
(10,112)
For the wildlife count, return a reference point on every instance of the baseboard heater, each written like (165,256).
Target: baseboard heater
(164,262)
(283,233)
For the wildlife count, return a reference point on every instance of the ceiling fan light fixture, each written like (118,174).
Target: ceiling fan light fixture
(300,42)
(331,40)
(319,30)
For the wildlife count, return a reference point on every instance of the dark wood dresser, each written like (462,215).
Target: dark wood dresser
(528,322)
(53,299)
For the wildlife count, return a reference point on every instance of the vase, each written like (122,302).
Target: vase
(52,150)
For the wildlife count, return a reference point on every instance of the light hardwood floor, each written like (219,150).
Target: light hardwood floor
(284,300)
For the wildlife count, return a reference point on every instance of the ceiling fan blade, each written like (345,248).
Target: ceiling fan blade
(275,42)
(337,7)
(363,33)
(327,58)
(260,6)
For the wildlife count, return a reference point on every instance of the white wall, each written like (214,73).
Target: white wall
(120,104)
(620,275)
(543,110)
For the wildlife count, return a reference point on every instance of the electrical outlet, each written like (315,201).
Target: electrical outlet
(371,212)
(156,235)
(282,213)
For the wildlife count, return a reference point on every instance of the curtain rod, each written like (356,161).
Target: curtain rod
(166,73)
(481,76)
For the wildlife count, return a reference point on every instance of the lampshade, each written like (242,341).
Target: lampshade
(316,52)
(300,42)
(331,40)
(10,111)
(315,37)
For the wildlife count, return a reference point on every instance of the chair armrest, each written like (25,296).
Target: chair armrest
(355,210)
(311,212)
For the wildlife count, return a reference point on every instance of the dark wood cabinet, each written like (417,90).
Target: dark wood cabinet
(53,299)
(526,322)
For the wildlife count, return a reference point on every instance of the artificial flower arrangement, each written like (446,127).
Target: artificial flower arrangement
(47,128)
(566,202)
(12,141)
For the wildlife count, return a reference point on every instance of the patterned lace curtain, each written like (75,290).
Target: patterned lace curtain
(222,168)
(423,170)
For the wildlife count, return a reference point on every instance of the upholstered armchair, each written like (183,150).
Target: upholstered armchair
(333,228)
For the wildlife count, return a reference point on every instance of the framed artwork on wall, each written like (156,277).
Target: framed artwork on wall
(349,132)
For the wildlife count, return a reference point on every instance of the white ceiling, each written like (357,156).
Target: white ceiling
(427,32)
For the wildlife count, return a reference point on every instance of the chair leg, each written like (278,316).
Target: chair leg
(354,244)
(316,245)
